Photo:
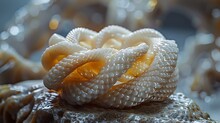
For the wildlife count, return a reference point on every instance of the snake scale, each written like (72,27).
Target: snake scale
(111,68)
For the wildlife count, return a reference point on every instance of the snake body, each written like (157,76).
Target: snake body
(112,68)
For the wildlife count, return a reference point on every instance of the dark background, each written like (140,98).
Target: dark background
(176,25)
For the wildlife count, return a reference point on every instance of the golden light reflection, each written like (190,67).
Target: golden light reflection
(54,23)
(152,4)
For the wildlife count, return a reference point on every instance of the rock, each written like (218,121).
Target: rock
(32,102)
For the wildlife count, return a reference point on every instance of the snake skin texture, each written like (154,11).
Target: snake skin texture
(112,68)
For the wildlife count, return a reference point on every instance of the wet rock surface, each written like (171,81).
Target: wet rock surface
(32,102)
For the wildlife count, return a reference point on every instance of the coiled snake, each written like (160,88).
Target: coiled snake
(112,68)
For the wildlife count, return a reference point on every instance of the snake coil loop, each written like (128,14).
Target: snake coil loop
(112,68)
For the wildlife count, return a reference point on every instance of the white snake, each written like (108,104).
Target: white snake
(112,68)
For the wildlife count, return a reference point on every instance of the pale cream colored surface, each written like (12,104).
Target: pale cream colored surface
(112,68)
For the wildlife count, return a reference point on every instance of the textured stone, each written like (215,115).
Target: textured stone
(31,102)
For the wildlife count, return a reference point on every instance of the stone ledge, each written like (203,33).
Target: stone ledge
(36,104)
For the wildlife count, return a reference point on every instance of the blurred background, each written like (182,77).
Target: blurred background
(7,11)
(25,27)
